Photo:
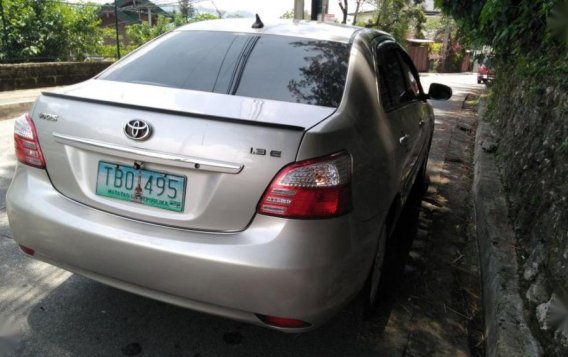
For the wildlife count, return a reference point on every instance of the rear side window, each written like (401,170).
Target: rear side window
(272,67)
(391,79)
(412,85)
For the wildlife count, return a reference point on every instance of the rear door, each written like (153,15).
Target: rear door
(400,105)
(421,110)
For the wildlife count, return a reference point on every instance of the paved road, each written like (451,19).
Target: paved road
(47,311)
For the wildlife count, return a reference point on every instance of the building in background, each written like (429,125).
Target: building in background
(130,12)
(430,6)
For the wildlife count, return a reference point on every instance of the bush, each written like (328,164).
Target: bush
(48,31)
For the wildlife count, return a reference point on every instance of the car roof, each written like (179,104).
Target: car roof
(297,28)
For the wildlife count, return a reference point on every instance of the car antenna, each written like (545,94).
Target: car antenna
(258,24)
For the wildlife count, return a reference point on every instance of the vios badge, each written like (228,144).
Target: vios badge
(138,130)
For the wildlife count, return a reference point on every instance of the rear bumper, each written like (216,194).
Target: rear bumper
(485,77)
(305,270)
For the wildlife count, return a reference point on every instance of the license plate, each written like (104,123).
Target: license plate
(150,188)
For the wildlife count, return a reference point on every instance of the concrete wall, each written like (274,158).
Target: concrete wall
(37,75)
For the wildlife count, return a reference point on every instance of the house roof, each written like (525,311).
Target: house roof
(134,4)
(128,9)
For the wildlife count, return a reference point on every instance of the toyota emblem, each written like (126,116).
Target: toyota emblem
(138,130)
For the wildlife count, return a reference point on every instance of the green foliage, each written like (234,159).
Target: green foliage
(139,34)
(434,25)
(397,17)
(290,15)
(107,50)
(436,48)
(48,30)
(287,15)
(530,35)
(565,143)
(204,16)
(186,9)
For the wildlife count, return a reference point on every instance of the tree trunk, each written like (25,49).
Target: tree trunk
(356,12)
(344,9)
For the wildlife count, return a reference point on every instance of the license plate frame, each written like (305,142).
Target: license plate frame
(139,192)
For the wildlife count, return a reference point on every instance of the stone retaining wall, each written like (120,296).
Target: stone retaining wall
(530,116)
(49,74)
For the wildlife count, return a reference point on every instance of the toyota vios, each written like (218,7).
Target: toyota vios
(251,173)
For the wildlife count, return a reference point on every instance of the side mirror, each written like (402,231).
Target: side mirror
(439,92)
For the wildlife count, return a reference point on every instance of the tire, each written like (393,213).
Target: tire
(422,180)
(479,81)
(371,294)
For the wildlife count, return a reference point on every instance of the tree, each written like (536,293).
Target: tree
(512,28)
(322,78)
(139,34)
(220,13)
(49,31)
(344,6)
(398,16)
(186,9)
(357,7)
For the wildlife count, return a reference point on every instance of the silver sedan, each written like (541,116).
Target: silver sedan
(251,172)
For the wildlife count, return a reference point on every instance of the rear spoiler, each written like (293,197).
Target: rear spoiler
(174,112)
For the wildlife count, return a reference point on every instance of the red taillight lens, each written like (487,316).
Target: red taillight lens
(283,322)
(28,251)
(28,150)
(319,188)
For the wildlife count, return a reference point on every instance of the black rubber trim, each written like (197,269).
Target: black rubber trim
(175,112)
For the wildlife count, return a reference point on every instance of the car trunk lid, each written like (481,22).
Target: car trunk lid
(228,148)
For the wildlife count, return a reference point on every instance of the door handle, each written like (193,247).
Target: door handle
(404,139)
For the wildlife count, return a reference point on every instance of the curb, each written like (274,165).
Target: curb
(11,110)
(506,330)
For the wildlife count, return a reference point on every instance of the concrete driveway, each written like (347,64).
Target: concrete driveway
(431,306)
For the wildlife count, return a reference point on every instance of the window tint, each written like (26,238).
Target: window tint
(183,59)
(391,79)
(412,85)
(271,67)
(296,70)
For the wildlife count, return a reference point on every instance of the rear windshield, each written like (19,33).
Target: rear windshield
(273,67)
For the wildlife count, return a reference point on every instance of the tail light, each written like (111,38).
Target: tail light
(28,150)
(319,188)
(282,321)
(28,251)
